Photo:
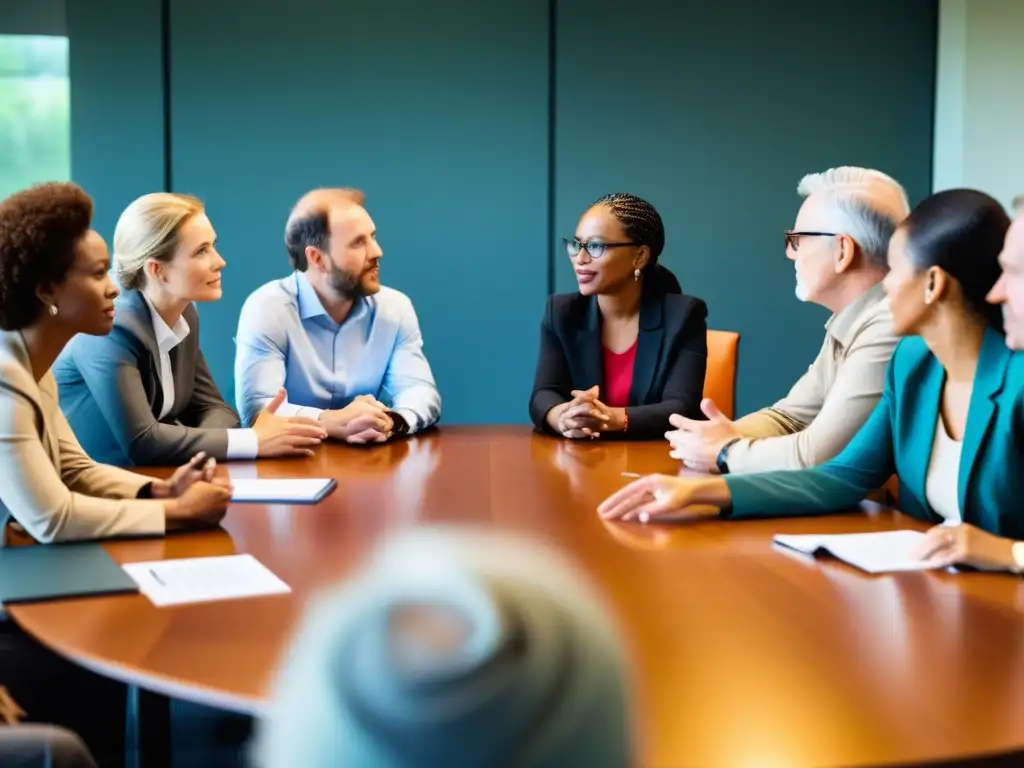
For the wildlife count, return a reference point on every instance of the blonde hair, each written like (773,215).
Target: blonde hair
(148,229)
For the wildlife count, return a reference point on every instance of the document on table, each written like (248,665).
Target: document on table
(305,490)
(203,579)
(884,552)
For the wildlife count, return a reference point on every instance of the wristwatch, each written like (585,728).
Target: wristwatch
(723,456)
(399,426)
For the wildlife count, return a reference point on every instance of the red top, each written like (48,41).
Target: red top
(618,376)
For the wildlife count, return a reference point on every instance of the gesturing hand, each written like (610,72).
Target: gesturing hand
(698,443)
(279,436)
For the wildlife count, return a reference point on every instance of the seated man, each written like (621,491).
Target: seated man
(331,335)
(839,248)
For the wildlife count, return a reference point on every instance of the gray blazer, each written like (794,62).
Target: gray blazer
(110,393)
(48,485)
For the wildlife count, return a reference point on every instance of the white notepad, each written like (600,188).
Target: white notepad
(884,552)
(305,490)
(202,579)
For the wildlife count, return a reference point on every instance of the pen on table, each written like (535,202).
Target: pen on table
(631,474)
(158,579)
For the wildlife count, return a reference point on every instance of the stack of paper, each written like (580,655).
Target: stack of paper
(202,579)
(307,490)
(872,552)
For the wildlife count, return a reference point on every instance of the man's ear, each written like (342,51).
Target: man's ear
(846,255)
(316,258)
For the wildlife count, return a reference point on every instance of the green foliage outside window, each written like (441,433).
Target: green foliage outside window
(35,130)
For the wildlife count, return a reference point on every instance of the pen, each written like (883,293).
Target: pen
(158,579)
(631,474)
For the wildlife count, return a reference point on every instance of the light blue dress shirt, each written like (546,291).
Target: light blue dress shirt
(286,338)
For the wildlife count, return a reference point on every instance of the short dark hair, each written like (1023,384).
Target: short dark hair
(639,219)
(962,232)
(39,230)
(309,225)
(313,230)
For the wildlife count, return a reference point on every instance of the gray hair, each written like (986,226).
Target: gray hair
(870,203)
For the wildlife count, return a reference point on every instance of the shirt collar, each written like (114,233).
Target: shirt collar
(309,302)
(842,325)
(311,306)
(167,338)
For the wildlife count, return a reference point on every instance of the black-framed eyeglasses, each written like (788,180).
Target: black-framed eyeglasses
(595,248)
(793,237)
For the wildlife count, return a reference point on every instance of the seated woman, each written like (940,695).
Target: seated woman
(53,285)
(143,393)
(951,419)
(629,350)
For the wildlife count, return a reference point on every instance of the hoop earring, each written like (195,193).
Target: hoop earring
(53,310)
(636,275)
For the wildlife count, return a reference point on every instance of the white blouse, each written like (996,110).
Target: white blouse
(941,485)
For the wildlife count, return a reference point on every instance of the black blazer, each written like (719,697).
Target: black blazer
(668,375)
(110,393)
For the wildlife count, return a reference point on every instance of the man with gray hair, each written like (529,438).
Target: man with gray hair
(838,247)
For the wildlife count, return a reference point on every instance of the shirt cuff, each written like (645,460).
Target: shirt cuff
(410,418)
(243,444)
(289,409)
(1018,555)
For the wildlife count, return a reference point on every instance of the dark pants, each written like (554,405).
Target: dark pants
(55,691)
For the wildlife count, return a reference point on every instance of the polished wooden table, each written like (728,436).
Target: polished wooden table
(744,655)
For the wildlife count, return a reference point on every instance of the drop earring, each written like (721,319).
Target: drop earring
(53,310)
(636,275)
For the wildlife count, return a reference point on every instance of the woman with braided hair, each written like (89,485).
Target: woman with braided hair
(629,349)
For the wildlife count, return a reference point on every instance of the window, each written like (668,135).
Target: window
(35,130)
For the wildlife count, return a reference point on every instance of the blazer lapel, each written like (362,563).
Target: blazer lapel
(25,384)
(648,348)
(133,315)
(590,346)
(989,377)
(921,436)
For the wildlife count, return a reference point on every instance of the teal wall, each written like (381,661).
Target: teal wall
(117,106)
(478,150)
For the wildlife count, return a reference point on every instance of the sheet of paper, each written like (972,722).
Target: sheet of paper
(282,490)
(888,551)
(202,579)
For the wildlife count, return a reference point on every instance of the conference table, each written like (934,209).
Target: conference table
(743,653)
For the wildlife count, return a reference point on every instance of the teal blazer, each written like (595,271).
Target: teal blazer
(898,438)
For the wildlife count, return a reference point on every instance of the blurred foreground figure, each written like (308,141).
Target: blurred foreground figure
(453,648)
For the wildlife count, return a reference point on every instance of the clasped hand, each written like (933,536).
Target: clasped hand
(364,420)
(586,416)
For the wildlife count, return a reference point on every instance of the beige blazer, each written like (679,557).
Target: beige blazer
(48,485)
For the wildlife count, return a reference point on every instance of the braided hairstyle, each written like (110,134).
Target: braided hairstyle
(642,224)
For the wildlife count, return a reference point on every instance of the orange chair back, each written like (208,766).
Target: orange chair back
(720,380)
